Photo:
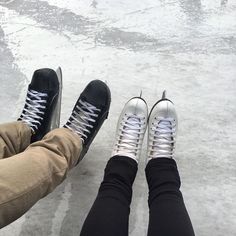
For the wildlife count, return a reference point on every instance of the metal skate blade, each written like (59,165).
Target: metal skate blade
(55,122)
(164,95)
(141,93)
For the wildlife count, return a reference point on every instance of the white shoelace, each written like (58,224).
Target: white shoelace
(132,128)
(35,109)
(161,143)
(81,121)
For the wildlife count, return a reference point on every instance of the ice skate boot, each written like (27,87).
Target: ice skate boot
(131,128)
(162,129)
(42,103)
(89,113)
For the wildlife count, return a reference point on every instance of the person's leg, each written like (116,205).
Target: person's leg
(14,138)
(32,174)
(109,214)
(168,215)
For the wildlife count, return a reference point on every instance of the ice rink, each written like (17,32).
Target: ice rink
(187,47)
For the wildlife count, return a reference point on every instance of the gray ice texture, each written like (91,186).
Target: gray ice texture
(187,47)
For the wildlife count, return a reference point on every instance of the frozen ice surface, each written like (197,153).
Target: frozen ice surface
(187,47)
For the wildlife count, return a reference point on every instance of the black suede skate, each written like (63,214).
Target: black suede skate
(89,113)
(41,102)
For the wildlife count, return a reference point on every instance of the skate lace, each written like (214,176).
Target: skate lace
(82,118)
(161,143)
(131,129)
(34,110)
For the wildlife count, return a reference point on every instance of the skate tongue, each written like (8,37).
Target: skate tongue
(131,134)
(165,125)
(129,129)
(163,136)
(39,89)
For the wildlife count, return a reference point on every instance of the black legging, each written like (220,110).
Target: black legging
(109,215)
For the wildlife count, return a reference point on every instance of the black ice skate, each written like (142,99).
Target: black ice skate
(42,107)
(89,113)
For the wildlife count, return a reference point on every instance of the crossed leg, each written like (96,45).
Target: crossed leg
(32,174)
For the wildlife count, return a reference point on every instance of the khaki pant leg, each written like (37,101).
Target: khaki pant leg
(14,138)
(29,176)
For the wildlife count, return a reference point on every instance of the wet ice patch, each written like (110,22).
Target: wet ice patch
(6,1)
(61,211)
(140,17)
(32,45)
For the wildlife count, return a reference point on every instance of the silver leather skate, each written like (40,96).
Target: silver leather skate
(131,128)
(162,129)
